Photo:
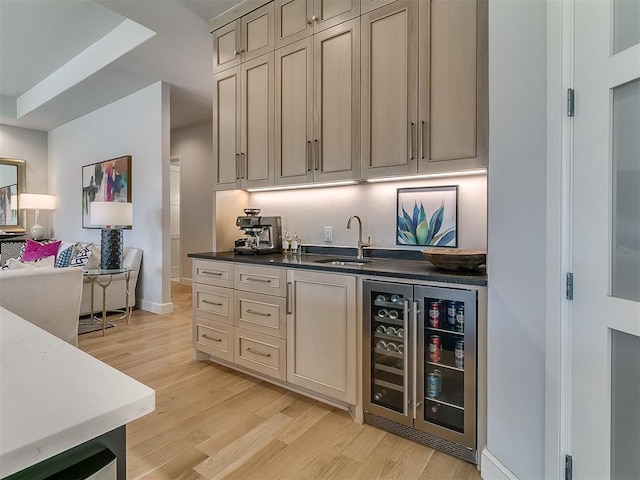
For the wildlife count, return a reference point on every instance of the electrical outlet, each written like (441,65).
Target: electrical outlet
(328,234)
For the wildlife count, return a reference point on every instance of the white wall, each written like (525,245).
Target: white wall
(308,211)
(517,236)
(30,146)
(194,145)
(136,125)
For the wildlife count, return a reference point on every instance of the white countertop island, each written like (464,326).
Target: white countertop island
(54,397)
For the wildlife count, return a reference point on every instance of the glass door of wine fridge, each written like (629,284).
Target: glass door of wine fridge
(446,363)
(389,386)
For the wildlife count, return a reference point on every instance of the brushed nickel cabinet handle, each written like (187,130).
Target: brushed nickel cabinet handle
(317,159)
(262,280)
(243,166)
(209,272)
(262,314)
(211,338)
(288,309)
(212,303)
(422,139)
(265,355)
(308,155)
(237,166)
(411,140)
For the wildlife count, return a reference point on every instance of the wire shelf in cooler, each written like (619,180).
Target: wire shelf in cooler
(398,305)
(387,368)
(393,338)
(445,330)
(445,401)
(392,386)
(388,353)
(391,321)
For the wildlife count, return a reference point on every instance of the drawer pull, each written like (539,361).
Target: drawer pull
(212,303)
(211,338)
(262,314)
(262,280)
(209,272)
(265,355)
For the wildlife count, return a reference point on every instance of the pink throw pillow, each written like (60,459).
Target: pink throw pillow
(37,250)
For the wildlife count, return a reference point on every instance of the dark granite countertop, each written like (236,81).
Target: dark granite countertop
(400,265)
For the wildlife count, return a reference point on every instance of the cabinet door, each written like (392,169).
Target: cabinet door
(336,71)
(389,90)
(321,333)
(257,32)
(257,141)
(226,128)
(329,13)
(293,21)
(226,46)
(448,85)
(294,112)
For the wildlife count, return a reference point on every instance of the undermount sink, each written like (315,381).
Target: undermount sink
(343,261)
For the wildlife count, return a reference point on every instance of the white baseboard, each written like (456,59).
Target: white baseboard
(493,469)
(159,308)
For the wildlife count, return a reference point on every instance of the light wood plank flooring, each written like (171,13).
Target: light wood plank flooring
(211,422)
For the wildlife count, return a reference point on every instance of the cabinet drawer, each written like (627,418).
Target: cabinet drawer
(261,313)
(214,338)
(213,273)
(215,303)
(267,280)
(262,353)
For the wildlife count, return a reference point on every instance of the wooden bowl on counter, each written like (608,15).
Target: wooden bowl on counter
(455,258)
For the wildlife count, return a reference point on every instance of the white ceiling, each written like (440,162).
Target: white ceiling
(61,59)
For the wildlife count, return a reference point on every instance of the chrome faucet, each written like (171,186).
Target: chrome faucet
(361,244)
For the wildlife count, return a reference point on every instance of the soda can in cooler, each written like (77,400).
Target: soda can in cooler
(451,314)
(438,374)
(435,314)
(459,353)
(433,387)
(435,348)
(460,317)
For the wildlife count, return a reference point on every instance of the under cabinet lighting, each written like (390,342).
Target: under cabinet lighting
(298,187)
(481,171)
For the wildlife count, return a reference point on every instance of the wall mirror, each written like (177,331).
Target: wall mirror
(12,183)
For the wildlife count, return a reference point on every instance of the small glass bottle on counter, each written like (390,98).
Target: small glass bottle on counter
(286,242)
(295,243)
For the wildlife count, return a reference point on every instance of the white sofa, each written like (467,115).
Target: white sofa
(46,297)
(116,291)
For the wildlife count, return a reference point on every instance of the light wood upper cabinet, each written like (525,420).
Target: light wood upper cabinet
(294,112)
(226,128)
(321,334)
(243,125)
(424,87)
(453,85)
(318,107)
(389,89)
(244,39)
(297,19)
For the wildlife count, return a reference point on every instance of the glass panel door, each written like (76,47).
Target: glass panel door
(387,384)
(446,363)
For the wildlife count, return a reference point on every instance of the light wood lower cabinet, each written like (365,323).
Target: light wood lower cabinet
(321,334)
(296,326)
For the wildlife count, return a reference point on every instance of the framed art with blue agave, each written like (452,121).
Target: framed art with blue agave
(427,216)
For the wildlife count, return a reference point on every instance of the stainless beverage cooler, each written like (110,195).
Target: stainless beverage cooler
(419,379)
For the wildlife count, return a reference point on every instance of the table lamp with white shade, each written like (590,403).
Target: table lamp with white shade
(113,217)
(37,202)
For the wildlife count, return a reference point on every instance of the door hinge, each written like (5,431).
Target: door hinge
(569,286)
(570,102)
(568,467)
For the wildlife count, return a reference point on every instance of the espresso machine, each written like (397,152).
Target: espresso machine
(262,234)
